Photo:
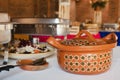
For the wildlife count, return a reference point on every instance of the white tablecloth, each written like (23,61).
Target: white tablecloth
(54,72)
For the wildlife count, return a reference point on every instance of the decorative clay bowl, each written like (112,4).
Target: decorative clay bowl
(91,59)
(25,65)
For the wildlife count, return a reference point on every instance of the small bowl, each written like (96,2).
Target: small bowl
(25,65)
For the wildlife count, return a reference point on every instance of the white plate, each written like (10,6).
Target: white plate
(31,56)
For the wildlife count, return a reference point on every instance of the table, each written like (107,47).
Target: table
(54,72)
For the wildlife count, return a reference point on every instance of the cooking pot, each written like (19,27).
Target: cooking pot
(90,59)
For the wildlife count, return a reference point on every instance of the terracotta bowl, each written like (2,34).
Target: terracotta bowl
(25,65)
(91,59)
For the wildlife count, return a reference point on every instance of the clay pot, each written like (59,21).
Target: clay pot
(85,59)
(25,64)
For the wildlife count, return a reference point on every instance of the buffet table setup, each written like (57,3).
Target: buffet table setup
(69,59)
(54,72)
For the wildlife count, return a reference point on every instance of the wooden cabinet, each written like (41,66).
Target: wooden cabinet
(21,8)
(47,8)
(3,5)
(29,8)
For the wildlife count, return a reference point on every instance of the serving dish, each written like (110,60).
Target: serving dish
(27,64)
(85,58)
(32,55)
(32,65)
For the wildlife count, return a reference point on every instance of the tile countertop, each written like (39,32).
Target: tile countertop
(54,72)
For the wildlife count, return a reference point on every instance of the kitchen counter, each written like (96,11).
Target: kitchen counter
(54,72)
